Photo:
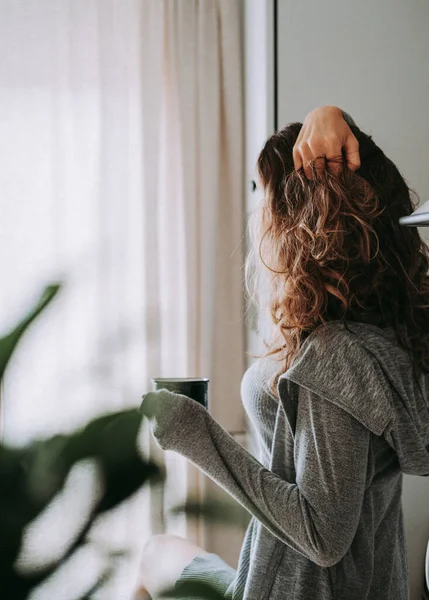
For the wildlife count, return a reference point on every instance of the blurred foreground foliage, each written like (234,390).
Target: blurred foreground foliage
(32,476)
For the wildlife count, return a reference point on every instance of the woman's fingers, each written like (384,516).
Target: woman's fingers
(323,138)
(351,147)
(321,158)
(306,158)
(330,157)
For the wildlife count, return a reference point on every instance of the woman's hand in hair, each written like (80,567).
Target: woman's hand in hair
(324,135)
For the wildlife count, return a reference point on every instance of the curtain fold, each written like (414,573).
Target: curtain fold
(121,149)
(199,194)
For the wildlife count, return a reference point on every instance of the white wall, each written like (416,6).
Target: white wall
(371,59)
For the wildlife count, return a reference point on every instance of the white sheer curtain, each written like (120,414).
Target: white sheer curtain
(121,172)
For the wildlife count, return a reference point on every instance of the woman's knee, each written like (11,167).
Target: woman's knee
(163,545)
(156,544)
(163,559)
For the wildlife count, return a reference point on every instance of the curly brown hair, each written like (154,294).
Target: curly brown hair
(333,249)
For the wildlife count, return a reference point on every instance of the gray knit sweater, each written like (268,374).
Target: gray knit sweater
(325,490)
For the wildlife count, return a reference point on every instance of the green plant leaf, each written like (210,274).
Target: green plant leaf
(32,476)
(9,342)
(112,441)
(19,586)
(16,509)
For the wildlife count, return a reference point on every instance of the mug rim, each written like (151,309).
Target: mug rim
(180,379)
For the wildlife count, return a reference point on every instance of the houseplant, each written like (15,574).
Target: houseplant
(31,477)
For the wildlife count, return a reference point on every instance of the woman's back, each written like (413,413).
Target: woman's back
(375,564)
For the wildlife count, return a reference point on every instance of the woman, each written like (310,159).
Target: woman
(340,401)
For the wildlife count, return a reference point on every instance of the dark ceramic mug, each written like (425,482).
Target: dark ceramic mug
(195,388)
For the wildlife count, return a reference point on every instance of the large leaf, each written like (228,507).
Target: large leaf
(32,476)
(10,341)
(14,510)
(111,440)
(19,586)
